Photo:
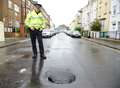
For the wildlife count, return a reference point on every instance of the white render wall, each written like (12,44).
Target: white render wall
(93,11)
(2,38)
(89,14)
(114,31)
(85,18)
(115,18)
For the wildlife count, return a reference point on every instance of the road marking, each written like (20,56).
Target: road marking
(22,70)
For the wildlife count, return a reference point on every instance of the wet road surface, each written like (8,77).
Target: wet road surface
(93,65)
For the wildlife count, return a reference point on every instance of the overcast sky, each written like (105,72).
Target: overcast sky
(62,11)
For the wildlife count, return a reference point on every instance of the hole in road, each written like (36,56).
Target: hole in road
(60,77)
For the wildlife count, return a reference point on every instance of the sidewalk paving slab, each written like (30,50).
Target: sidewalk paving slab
(11,41)
(111,43)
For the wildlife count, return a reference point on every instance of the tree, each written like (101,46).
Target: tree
(95,26)
(79,29)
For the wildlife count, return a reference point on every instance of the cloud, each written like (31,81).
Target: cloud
(62,11)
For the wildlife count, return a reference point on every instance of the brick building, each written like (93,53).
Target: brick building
(10,14)
(13,13)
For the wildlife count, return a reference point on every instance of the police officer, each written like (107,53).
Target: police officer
(36,23)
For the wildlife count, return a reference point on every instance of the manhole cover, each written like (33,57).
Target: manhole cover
(59,77)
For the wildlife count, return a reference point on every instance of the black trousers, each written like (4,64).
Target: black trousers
(36,35)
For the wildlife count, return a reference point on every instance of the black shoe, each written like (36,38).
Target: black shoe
(34,57)
(43,57)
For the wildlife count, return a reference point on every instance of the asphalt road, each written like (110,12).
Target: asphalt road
(93,65)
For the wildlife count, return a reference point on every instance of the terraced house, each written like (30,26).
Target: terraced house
(114,31)
(88,14)
(93,10)
(103,14)
(97,9)
(13,14)
(86,17)
(107,12)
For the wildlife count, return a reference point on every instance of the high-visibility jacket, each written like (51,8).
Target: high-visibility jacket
(34,20)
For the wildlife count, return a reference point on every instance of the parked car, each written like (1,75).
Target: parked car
(46,33)
(68,32)
(53,32)
(74,34)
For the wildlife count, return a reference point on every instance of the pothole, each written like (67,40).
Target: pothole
(60,77)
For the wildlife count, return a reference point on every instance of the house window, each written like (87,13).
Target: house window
(10,4)
(6,30)
(114,10)
(102,24)
(119,5)
(113,25)
(106,5)
(23,0)
(16,8)
(9,29)
(16,14)
(29,3)
(119,26)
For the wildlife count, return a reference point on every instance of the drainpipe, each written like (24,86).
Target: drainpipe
(22,29)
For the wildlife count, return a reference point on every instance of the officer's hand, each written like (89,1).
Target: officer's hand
(32,28)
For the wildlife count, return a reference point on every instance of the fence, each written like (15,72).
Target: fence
(110,34)
(114,34)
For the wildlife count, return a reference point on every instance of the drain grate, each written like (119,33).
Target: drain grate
(59,77)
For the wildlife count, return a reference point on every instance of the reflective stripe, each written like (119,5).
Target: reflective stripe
(36,17)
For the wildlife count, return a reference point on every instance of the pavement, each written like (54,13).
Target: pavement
(11,41)
(111,43)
